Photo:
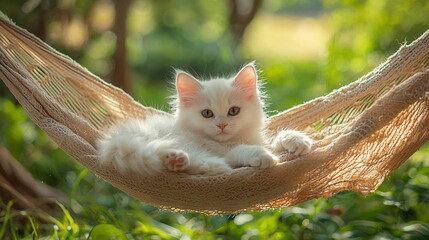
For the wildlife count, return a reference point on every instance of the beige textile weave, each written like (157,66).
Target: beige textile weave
(364,130)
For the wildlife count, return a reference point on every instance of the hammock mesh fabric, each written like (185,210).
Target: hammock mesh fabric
(364,130)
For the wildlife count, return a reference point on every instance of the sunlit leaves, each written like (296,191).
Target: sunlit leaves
(106,231)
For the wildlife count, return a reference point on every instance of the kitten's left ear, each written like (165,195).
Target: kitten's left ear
(246,80)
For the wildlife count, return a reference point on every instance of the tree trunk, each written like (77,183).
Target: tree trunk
(17,184)
(241,17)
(120,76)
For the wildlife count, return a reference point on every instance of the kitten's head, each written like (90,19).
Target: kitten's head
(223,108)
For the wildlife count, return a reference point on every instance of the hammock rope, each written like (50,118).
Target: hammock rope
(364,130)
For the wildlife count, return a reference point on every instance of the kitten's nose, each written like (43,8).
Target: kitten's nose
(222,126)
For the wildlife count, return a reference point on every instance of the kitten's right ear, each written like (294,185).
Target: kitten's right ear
(187,87)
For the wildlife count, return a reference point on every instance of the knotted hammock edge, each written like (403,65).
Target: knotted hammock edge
(364,130)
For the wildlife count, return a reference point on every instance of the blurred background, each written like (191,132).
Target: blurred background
(304,49)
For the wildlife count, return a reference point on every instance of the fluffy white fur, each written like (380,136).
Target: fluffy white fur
(217,126)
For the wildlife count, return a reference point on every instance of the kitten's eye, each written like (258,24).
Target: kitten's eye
(207,113)
(233,111)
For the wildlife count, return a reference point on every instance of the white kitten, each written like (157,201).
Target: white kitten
(217,126)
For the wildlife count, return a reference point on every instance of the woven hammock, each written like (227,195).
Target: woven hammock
(363,131)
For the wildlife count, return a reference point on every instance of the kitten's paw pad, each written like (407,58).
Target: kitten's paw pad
(295,142)
(263,159)
(176,161)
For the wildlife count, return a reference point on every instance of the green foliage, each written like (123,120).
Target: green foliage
(366,32)
(106,231)
(295,7)
(32,147)
(195,33)
(284,83)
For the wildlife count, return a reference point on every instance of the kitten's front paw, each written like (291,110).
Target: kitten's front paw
(294,142)
(176,160)
(250,155)
(262,159)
